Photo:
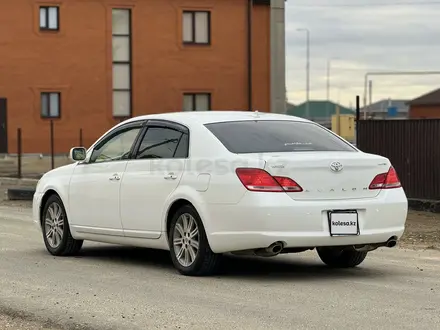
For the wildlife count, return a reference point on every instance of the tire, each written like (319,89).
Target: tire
(204,261)
(341,258)
(64,244)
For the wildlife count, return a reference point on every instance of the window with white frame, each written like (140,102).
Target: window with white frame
(49,18)
(121,34)
(196,27)
(196,102)
(50,105)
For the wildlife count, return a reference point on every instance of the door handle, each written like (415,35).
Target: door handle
(115,177)
(170,176)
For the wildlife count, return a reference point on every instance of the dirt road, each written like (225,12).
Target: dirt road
(111,287)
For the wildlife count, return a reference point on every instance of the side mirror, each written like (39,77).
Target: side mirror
(78,154)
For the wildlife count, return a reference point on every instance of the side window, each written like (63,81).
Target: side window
(117,148)
(196,102)
(159,142)
(182,148)
(50,18)
(196,27)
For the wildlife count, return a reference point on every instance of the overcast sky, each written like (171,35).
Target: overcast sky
(362,36)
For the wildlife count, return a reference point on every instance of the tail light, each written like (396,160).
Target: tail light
(255,179)
(388,180)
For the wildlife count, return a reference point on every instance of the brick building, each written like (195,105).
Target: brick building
(425,106)
(86,65)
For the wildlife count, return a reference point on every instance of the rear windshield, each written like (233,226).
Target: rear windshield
(275,136)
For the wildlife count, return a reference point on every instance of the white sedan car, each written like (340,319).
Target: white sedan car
(202,184)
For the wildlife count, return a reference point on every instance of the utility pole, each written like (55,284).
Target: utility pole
(329,62)
(338,120)
(328,80)
(370,96)
(327,113)
(307,70)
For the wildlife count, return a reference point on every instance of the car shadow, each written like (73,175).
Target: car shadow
(293,266)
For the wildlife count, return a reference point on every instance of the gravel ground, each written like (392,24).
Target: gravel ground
(394,278)
(19,322)
(110,287)
(422,231)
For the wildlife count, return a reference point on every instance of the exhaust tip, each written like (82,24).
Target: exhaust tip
(271,251)
(391,243)
(277,248)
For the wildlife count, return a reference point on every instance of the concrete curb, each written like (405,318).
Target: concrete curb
(21,189)
(21,194)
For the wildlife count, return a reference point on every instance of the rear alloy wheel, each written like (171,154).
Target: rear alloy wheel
(189,247)
(56,231)
(341,257)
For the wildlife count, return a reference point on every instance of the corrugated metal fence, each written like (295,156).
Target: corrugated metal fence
(413,147)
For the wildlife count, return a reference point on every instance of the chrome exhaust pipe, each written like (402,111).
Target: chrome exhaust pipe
(391,243)
(271,251)
(276,247)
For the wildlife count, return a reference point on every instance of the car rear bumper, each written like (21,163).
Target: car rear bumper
(236,241)
(261,219)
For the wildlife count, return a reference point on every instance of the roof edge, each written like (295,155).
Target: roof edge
(420,99)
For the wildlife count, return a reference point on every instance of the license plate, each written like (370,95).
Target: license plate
(343,223)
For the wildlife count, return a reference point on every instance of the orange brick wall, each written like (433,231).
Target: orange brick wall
(424,111)
(77,61)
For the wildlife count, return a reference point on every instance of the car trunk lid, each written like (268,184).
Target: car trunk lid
(328,175)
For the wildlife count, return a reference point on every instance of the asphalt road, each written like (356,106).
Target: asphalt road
(111,287)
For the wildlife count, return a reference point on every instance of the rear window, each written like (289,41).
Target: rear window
(275,136)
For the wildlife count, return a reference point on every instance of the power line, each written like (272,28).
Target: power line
(319,68)
(338,69)
(366,5)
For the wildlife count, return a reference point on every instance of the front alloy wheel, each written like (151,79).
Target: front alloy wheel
(54,225)
(56,231)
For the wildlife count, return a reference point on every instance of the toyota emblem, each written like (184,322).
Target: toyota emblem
(336,166)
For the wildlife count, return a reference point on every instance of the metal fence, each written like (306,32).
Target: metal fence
(34,155)
(413,147)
